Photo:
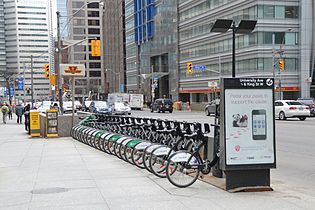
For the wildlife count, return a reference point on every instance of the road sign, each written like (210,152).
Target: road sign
(20,84)
(74,70)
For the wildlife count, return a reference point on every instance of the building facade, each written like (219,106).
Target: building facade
(26,35)
(86,23)
(114,46)
(287,21)
(151,48)
(2,39)
(62,9)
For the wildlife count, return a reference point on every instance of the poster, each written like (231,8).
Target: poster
(34,123)
(249,124)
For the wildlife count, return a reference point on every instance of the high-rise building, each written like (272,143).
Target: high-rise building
(62,8)
(26,35)
(2,39)
(85,22)
(114,46)
(151,48)
(291,23)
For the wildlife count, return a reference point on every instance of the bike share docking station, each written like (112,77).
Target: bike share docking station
(246,135)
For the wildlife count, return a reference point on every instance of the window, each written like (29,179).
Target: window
(279,12)
(95,73)
(269,11)
(291,12)
(93,5)
(78,22)
(76,4)
(94,31)
(95,65)
(93,14)
(79,31)
(93,22)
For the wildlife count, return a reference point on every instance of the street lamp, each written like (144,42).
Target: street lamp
(59,47)
(119,81)
(244,27)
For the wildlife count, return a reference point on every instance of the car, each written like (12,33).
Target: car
(43,108)
(67,107)
(86,106)
(290,108)
(162,105)
(78,105)
(211,106)
(100,107)
(310,102)
(121,108)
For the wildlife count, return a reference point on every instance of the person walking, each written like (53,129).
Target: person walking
(19,111)
(27,109)
(10,112)
(4,110)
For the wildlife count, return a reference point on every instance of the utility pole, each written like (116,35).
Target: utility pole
(32,86)
(24,83)
(59,62)
(233,49)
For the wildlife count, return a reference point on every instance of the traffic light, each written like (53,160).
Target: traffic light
(46,70)
(281,65)
(189,68)
(96,47)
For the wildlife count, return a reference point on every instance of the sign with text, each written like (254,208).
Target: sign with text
(74,70)
(35,123)
(20,84)
(249,121)
(52,123)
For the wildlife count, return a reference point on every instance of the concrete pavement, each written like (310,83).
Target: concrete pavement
(62,173)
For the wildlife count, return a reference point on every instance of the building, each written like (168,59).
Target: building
(290,22)
(2,39)
(151,48)
(26,36)
(62,8)
(85,23)
(114,45)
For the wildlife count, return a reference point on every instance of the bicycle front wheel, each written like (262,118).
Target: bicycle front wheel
(182,170)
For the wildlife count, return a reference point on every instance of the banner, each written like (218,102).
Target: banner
(20,84)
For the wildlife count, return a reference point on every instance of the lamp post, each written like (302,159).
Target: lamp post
(244,27)
(119,76)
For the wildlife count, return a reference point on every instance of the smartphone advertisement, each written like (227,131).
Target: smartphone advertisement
(249,126)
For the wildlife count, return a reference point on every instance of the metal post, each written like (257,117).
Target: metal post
(24,68)
(233,50)
(58,63)
(72,91)
(152,83)
(32,86)
(273,55)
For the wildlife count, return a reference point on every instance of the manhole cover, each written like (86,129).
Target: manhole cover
(49,190)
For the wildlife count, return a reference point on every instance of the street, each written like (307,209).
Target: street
(295,144)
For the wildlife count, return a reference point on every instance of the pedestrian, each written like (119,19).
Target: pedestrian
(4,110)
(10,112)
(19,111)
(27,109)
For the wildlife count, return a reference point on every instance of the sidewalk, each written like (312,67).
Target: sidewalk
(38,173)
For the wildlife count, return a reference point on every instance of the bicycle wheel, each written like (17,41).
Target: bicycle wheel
(146,155)
(180,172)
(157,161)
(138,152)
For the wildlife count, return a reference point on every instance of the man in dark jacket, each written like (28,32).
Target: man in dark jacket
(27,109)
(19,111)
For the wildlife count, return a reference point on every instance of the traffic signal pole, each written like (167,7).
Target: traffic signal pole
(58,63)
(32,85)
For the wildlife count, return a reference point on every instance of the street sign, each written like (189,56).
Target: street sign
(198,67)
(74,70)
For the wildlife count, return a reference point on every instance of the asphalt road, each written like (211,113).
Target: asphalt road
(295,146)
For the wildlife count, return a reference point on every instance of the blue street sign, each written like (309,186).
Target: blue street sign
(20,83)
(199,67)
(11,91)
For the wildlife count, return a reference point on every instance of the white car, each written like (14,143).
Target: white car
(121,108)
(43,108)
(67,107)
(290,108)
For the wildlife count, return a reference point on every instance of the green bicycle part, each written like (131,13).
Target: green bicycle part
(133,143)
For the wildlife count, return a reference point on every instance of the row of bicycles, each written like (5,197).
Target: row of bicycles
(171,149)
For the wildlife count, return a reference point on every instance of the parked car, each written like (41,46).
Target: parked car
(310,102)
(121,108)
(210,107)
(162,105)
(78,105)
(86,106)
(67,107)
(100,107)
(290,108)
